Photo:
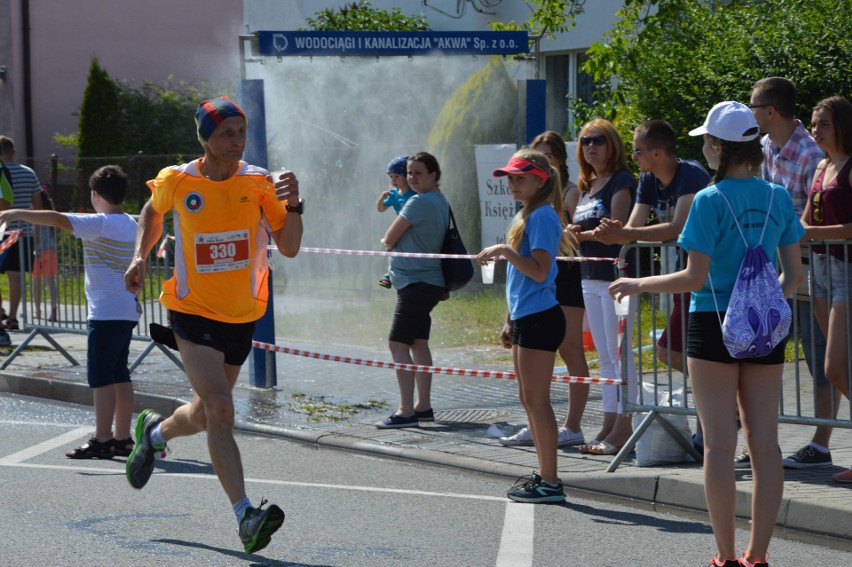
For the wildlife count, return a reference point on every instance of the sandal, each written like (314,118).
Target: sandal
(122,447)
(12,324)
(92,449)
(585,447)
(602,448)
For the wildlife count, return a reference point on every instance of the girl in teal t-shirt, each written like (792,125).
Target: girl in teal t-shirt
(720,382)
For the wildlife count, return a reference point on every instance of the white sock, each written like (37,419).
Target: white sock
(157,435)
(241,506)
(819,448)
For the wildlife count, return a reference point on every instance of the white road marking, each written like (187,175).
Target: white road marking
(516,543)
(18,462)
(46,446)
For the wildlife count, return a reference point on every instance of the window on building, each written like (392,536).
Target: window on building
(566,79)
(558,75)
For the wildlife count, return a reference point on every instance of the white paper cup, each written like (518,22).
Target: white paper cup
(487,272)
(622,308)
(276,175)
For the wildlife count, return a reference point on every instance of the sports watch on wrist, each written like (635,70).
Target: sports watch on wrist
(298,209)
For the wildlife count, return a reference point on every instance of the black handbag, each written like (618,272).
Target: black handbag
(457,272)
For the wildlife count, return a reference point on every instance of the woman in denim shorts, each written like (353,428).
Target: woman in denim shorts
(828,216)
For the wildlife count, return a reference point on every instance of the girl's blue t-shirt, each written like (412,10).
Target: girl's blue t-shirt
(710,229)
(525,296)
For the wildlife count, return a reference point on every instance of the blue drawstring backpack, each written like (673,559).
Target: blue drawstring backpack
(758,317)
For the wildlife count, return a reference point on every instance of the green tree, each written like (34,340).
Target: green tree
(674,59)
(100,116)
(361,16)
(547,17)
(100,129)
(141,129)
(482,111)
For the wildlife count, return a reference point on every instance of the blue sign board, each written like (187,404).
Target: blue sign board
(392,43)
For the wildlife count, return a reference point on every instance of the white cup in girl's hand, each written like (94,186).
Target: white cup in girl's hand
(622,308)
(487,272)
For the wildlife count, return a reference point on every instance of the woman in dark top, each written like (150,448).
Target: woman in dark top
(828,215)
(607,190)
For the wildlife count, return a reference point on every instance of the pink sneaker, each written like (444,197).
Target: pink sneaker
(844,477)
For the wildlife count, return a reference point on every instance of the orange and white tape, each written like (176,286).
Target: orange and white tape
(348,252)
(420,368)
(11,238)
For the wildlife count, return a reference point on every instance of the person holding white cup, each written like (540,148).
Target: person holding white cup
(534,326)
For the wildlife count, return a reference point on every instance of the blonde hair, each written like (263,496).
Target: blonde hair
(550,194)
(617,157)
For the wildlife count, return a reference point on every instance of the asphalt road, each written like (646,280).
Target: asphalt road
(343,509)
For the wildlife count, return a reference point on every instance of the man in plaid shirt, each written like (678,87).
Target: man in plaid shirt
(790,158)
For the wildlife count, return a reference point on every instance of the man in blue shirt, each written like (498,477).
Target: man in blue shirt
(667,186)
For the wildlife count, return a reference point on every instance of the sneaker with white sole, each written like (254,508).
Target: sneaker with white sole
(534,489)
(258,525)
(568,438)
(743,459)
(522,437)
(808,457)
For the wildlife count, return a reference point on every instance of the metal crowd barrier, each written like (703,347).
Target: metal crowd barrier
(53,299)
(656,258)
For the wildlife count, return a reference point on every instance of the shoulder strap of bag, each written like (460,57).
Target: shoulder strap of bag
(762,232)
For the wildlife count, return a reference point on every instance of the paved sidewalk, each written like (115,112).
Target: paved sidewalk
(336,404)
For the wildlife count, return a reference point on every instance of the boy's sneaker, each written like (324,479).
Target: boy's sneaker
(257,526)
(568,438)
(844,477)
(533,489)
(743,460)
(140,463)
(522,437)
(808,457)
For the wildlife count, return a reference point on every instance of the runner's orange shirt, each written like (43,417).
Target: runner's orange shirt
(220,240)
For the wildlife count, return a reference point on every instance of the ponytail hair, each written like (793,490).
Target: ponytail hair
(734,153)
(549,194)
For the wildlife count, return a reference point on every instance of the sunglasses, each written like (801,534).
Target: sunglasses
(598,140)
(818,207)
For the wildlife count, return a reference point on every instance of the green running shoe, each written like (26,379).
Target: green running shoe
(140,463)
(257,526)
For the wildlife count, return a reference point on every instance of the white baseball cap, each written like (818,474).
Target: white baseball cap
(731,121)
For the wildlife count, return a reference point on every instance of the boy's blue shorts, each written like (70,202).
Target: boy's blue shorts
(109,348)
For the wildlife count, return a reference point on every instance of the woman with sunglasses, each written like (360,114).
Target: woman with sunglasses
(607,190)
(828,216)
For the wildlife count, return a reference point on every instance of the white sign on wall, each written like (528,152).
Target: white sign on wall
(496,205)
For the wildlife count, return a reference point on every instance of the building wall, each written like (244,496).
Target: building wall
(597,18)
(191,40)
(153,40)
(559,57)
